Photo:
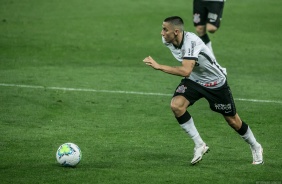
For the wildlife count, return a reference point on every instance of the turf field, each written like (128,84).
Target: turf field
(72,71)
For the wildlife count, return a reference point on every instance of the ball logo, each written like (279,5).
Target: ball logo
(65,150)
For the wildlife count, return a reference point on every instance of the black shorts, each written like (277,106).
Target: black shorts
(220,99)
(207,12)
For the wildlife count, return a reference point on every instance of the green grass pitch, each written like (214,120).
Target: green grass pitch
(72,71)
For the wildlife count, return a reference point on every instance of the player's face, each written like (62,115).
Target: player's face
(168,32)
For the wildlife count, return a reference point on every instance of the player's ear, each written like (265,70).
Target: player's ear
(176,32)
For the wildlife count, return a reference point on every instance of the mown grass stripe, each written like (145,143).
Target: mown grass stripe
(122,92)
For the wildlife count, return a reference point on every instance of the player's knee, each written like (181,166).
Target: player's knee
(175,107)
(211,28)
(200,30)
(178,105)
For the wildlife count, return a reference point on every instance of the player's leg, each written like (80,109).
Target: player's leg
(242,128)
(211,28)
(179,105)
(246,133)
(200,14)
(214,16)
(221,101)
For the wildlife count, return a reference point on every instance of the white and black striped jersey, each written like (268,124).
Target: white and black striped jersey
(207,71)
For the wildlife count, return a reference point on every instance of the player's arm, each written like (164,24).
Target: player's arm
(184,70)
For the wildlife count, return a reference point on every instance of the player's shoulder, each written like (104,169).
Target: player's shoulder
(190,35)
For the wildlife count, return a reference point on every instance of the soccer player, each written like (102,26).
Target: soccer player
(203,78)
(207,15)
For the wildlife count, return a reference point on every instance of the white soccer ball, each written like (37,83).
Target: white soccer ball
(68,154)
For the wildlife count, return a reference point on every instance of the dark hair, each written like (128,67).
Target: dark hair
(175,20)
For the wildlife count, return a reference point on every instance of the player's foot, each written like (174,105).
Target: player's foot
(257,155)
(199,152)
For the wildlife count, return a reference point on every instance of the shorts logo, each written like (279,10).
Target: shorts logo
(212,17)
(223,107)
(181,89)
(196,18)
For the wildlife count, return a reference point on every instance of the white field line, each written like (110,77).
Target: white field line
(122,92)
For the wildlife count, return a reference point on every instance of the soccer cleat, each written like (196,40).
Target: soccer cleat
(199,152)
(257,155)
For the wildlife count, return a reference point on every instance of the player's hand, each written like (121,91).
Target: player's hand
(151,62)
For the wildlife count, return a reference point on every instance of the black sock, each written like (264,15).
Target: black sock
(205,38)
(184,118)
(243,128)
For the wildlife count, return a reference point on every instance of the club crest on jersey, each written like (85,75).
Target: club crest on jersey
(196,18)
(181,89)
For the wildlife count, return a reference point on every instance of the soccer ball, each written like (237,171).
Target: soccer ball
(68,155)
